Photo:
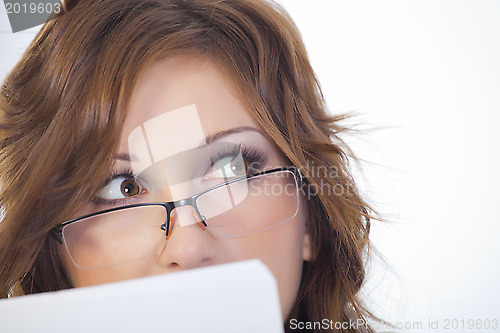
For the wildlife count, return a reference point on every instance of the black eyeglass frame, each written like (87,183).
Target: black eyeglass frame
(171,205)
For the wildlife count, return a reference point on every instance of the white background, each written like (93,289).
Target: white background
(425,77)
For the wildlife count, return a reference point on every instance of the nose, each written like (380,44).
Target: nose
(189,245)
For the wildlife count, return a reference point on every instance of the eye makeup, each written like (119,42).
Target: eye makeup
(248,147)
(253,157)
(111,189)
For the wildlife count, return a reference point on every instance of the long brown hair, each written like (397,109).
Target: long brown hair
(63,105)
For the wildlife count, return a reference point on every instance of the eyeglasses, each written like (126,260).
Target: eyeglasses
(234,208)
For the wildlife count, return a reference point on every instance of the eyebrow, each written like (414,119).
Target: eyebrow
(219,135)
(123,157)
(208,139)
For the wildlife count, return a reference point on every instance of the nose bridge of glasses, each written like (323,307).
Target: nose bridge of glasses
(184,213)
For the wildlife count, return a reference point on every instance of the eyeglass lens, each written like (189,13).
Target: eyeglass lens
(233,209)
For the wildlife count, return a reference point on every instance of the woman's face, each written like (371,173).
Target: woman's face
(187,131)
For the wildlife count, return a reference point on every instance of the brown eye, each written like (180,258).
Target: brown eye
(122,187)
(238,166)
(129,188)
(228,167)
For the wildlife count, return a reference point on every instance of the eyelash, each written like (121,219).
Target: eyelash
(124,173)
(253,156)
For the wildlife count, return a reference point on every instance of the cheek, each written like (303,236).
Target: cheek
(280,248)
(95,276)
(284,259)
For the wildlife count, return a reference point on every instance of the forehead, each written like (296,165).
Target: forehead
(190,95)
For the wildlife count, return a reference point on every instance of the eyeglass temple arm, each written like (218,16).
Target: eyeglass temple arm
(57,235)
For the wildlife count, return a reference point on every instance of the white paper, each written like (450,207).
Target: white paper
(238,297)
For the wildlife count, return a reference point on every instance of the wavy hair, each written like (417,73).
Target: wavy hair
(63,105)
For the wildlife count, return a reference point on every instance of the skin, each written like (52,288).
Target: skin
(179,82)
